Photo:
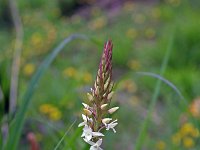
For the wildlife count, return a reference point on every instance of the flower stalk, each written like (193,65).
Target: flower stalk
(95,117)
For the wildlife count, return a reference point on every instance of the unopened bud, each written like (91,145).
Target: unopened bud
(111,86)
(108,79)
(97,91)
(103,107)
(103,75)
(99,73)
(106,85)
(103,60)
(110,95)
(90,97)
(95,85)
(104,95)
(87,112)
(106,120)
(98,80)
(112,110)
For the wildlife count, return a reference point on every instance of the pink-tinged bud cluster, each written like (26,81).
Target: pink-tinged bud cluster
(96,112)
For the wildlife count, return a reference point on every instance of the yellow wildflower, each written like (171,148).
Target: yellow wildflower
(98,23)
(56,115)
(28,69)
(176,138)
(37,40)
(50,111)
(45,108)
(188,142)
(131,33)
(160,145)
(134,64)
(188,129)
(87,77)
(70,72)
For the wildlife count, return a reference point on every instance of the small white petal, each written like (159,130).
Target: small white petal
(114,130)
(96,146)
(88,137)
(87,133)
(84,117)
(97,134)
(89,142)
(111,126)
(85,105)
(99,142)
(81,124)
(83,134)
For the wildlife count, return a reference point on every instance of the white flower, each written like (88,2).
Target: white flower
(84,123)
(95,146)
(88,134)
(111,125)
(85,105)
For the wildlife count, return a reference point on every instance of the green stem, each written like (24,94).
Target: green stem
(144,127)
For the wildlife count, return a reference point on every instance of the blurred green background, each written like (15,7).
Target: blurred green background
(141,32)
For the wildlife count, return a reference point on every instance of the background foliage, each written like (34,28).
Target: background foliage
(141,32)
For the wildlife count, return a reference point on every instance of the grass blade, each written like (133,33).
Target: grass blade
(170,84)
(144,127)
(70,143)
(61,140)
(17,124)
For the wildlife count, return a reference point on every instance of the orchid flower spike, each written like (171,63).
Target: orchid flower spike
(96,112)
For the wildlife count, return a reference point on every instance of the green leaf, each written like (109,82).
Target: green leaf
(17,124)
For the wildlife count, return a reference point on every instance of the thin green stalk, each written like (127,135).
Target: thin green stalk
(17,124)
(61,140)
(70,143)
(144,127)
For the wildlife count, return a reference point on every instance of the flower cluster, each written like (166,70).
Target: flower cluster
(51,111)
(95,113)
(186,136)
